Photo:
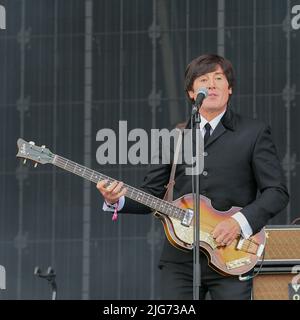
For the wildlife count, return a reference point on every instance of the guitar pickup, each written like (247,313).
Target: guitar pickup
(238,263)
(188,217)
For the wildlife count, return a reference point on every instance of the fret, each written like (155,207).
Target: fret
(139,196)
(176,213)
(133,193)
(66,164)
(181,214)
(79,169)
(173,213)
(61,162)
(166,207)
(169,209)
(153,203)
(95,177)
(129,193)
(148,200)
(71,166)
(142,197)
(87,174)
(90,177)
(74,169)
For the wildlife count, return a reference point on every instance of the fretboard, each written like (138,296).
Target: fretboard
(137,195)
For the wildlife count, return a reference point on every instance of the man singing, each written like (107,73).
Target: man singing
(241,169)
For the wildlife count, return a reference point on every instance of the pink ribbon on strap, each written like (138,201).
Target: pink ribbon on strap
(115,215)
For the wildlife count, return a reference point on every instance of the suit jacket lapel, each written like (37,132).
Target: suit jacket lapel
(220,129)
(227,122)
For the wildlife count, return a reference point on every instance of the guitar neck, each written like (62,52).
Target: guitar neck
(137,195)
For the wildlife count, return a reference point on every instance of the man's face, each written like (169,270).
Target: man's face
(218,90)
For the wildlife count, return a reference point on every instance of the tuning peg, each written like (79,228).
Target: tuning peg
(36,164)
(32,143)
(24,161)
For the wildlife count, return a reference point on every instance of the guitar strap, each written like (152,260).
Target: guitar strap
(170,186)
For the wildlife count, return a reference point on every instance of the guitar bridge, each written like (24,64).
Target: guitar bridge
(188,217)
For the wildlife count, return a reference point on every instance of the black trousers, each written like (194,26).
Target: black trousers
(177,283)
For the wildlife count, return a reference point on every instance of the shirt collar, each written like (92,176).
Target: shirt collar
(213,123)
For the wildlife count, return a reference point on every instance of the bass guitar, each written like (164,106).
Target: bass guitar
(177,216)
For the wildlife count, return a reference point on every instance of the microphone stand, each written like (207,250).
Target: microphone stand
(196,197)
(50,277)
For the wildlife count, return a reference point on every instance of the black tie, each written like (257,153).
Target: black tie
(207,132)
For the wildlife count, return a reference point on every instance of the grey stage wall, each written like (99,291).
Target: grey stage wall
(71,67)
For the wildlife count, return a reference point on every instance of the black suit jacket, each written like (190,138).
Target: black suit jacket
(242,168)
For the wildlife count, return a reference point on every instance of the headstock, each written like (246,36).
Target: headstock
(28,150)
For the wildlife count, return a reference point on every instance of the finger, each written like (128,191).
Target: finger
(219,232)
(118,187)
(116,190)
(229,242)
(216,232)
(111,186)
(220,239)
(122,193)
(231,236)
(101,184)
(112,199)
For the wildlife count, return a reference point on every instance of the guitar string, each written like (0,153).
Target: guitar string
(89,174)
(69,162)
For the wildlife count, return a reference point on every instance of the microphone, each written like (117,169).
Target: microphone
(201,95)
